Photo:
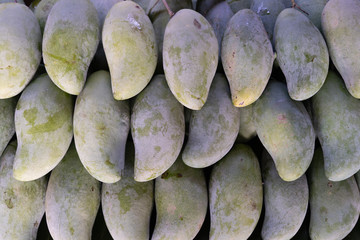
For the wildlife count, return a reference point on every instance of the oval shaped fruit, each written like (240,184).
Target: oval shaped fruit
(235,194)
(71,37)
(130,48)
(190,57)
(22,204)
(313,9)
(127,204)
(157,128)
(181,202)
(340,23)
(247,57)
(7,123)
(43,123)
(101,127)
(247,127)
(42,11)
(213,129)
(72,199)
(334,206)
(20,48)
(285,129)
(285,203)
(337,121)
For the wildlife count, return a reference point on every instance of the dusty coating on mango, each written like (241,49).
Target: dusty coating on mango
(247,57)
(42,11)
(43,124)
(301,52)
(204,6)
(101,127)
(7,124)
(247,127)
(313,8)
(127,204)
(130,48)
(157,128)
(72,199)
(235,194)
(20,48)
(71,37)
(334,206)
(285,203)
(336,121)
(22,204)
(285,129)
(214,128)
(341,27)
(181,202)
(237,5)
(190,57)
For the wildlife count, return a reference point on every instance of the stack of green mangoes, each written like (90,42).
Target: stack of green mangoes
(223,104)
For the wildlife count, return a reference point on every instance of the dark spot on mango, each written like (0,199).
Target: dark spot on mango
(253,206)
(36,224)
(197,24)
(137,6)
(165,175)
(92,188)
(9,203)
(181,218)
(179,175)
(233,54)
(107,193)
(330,184)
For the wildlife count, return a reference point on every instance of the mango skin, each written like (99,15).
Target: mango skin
(127,204)
(72,199)
(235,194)
(214,128)
(337,121)
(42,11)
(285,129)
(247,57)
(334,206)
(22,204)
(286,203)
(20,48)
(190,57)
(7,123)
(181,202)
(302,54)
(101,127)
(157,129)
(340,23)
(43,124)
(237,5)
(247,129)
(314,9)
(130,47)
(71,37)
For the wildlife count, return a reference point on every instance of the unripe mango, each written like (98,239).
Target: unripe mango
(237,5)
(247,127)
(313,9)
(42,11)
(7,124)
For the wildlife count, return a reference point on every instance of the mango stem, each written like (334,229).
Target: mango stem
(171,13)
(294,5)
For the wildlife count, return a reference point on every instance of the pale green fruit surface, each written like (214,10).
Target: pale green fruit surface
(42,11)
(7,123)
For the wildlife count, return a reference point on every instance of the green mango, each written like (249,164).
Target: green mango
(71,37)
(247,57)
(301,52)
(101,127)
(190,57)
(127,204)
(247,129)
(157,128)
(7,123)
(214,128)
(181,202)
(237,5)
(42,11)
(43,123)
(204,6)
(340,23)
(284,127)
(337,122)
(20,48)
(72,199)
(313,9)
(235,194)
(22,204)
(334,206)
(130,48)
(286,203)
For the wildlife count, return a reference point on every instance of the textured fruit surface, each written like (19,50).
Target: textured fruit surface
(313,9)
(42,11)
(237,5)
(157,128)
(247,57)
(22,204)
(285,129)
(214,128)
(7,124)
(20,48)
(181,202)
(101,127)
(190,57)
(301,52)
(130,47)
(235,194)
(337,121)
(340,23)
(247,126)
(285,203)
(71,37)
(72,199)
(334,206)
